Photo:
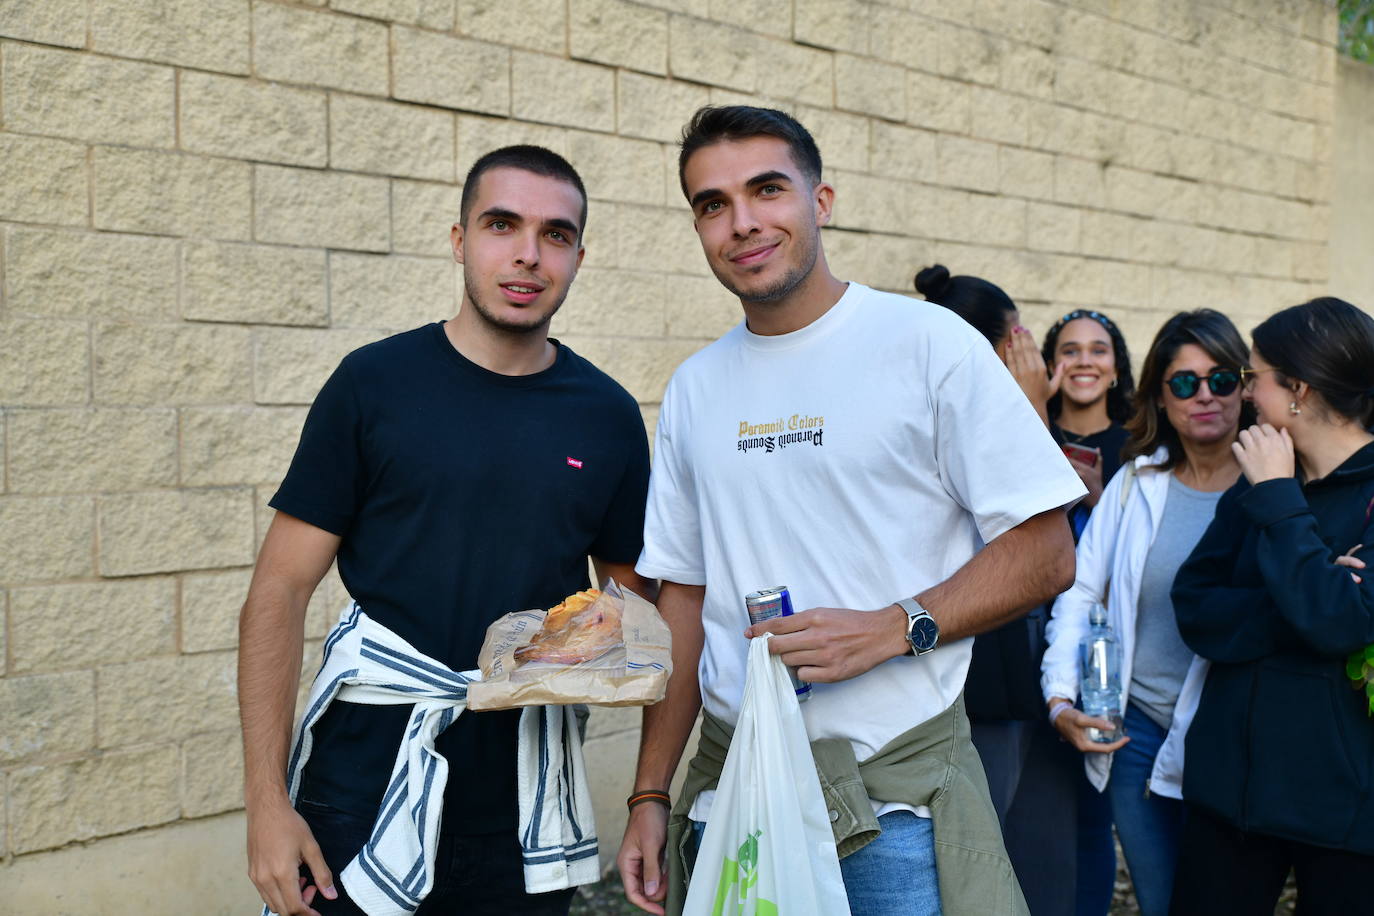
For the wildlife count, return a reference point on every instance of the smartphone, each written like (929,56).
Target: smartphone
(1082,454)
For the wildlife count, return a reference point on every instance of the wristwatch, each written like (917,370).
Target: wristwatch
(922,632)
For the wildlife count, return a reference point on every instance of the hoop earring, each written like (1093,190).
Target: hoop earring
(1293,408)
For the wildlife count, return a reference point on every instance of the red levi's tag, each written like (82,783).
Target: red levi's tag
(574,462)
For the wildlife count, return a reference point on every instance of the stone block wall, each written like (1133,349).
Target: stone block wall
(204,204)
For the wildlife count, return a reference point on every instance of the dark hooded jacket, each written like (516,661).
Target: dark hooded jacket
(1281,744)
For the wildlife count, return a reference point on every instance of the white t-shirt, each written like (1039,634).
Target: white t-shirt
(859,460)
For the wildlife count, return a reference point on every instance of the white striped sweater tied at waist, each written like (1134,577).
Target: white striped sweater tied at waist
(366,663)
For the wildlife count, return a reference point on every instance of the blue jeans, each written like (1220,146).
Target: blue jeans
(892,876)
(1150,826)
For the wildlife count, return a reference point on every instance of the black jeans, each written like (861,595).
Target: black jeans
(474,875)
(1225,870)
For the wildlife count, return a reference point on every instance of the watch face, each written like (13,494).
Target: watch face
(924,634)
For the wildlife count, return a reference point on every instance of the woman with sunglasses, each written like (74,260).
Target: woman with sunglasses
(1281,752)
(1187,412)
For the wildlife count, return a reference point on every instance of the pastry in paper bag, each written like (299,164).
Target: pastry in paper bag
(602,648)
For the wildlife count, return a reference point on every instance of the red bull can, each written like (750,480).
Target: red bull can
(766,604)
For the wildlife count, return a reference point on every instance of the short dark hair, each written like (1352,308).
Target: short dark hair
(982,304)
(1119,395)
(718,123)
(1329,344)
(1148,428)
(527,158)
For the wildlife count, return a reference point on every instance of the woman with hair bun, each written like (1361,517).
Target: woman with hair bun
(1280,755)
(1057,829)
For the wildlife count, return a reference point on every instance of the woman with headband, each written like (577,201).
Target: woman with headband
(1187,412)
(1280,770)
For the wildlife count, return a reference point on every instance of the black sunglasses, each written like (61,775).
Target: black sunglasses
(1220,382)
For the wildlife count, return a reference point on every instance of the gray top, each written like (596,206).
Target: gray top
(1161,658)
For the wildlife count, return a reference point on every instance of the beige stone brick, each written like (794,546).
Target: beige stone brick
(421,216)
(839,24)
(643,366)
(1151,195)
(68,94)
(44,363)
(605,721)
(172,193)
(61,22)
(888,264)
(769,17)
(290,365)
(533,24)
(195,694)
(870,203)
(1025,173)
(962,163)
(43,538)
(169,364)
(306,207)
(56,451)
(221,446)
(431,14)
(1079,181)
(970,55)
(842,137)
(84,625)
(618,168)
(390,293)
(210,604)
(450,72)
(82,274)
(212,773)
(699,307)
(207,34)
(902,152)
(936,103)
(171,530)
(698,8)
(99,796)
(245,119)
(46,715)
(1050,227)
(257,284)
(870,87)
(1125,285)
(796,72)
(479,135)
(390,139)
(712,53)
(999,116)
(42,181)
(986,220)
(562,92)
(1028,71)
(613,303)
(654,108)
(319,49)
(903,37)
(658,238)
(619,33)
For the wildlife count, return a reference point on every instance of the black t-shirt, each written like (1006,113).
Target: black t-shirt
(460,494)
(1109,442)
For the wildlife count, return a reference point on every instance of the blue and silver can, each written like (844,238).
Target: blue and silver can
(766,604)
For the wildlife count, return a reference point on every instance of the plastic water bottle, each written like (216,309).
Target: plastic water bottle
(1099,666)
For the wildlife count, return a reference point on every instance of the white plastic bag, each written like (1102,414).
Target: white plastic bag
(768,848)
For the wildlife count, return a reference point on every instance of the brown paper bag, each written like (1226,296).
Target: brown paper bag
(632,673)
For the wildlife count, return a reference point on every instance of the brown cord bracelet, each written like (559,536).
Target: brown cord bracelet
(652,795)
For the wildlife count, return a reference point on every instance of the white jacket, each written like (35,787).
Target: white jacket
(1111,558)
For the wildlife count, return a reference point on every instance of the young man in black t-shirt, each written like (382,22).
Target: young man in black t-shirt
(458,471)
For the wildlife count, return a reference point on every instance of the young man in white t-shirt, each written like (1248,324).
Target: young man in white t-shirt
(858,447)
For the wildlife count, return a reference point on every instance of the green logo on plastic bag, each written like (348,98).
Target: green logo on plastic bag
(737,877)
